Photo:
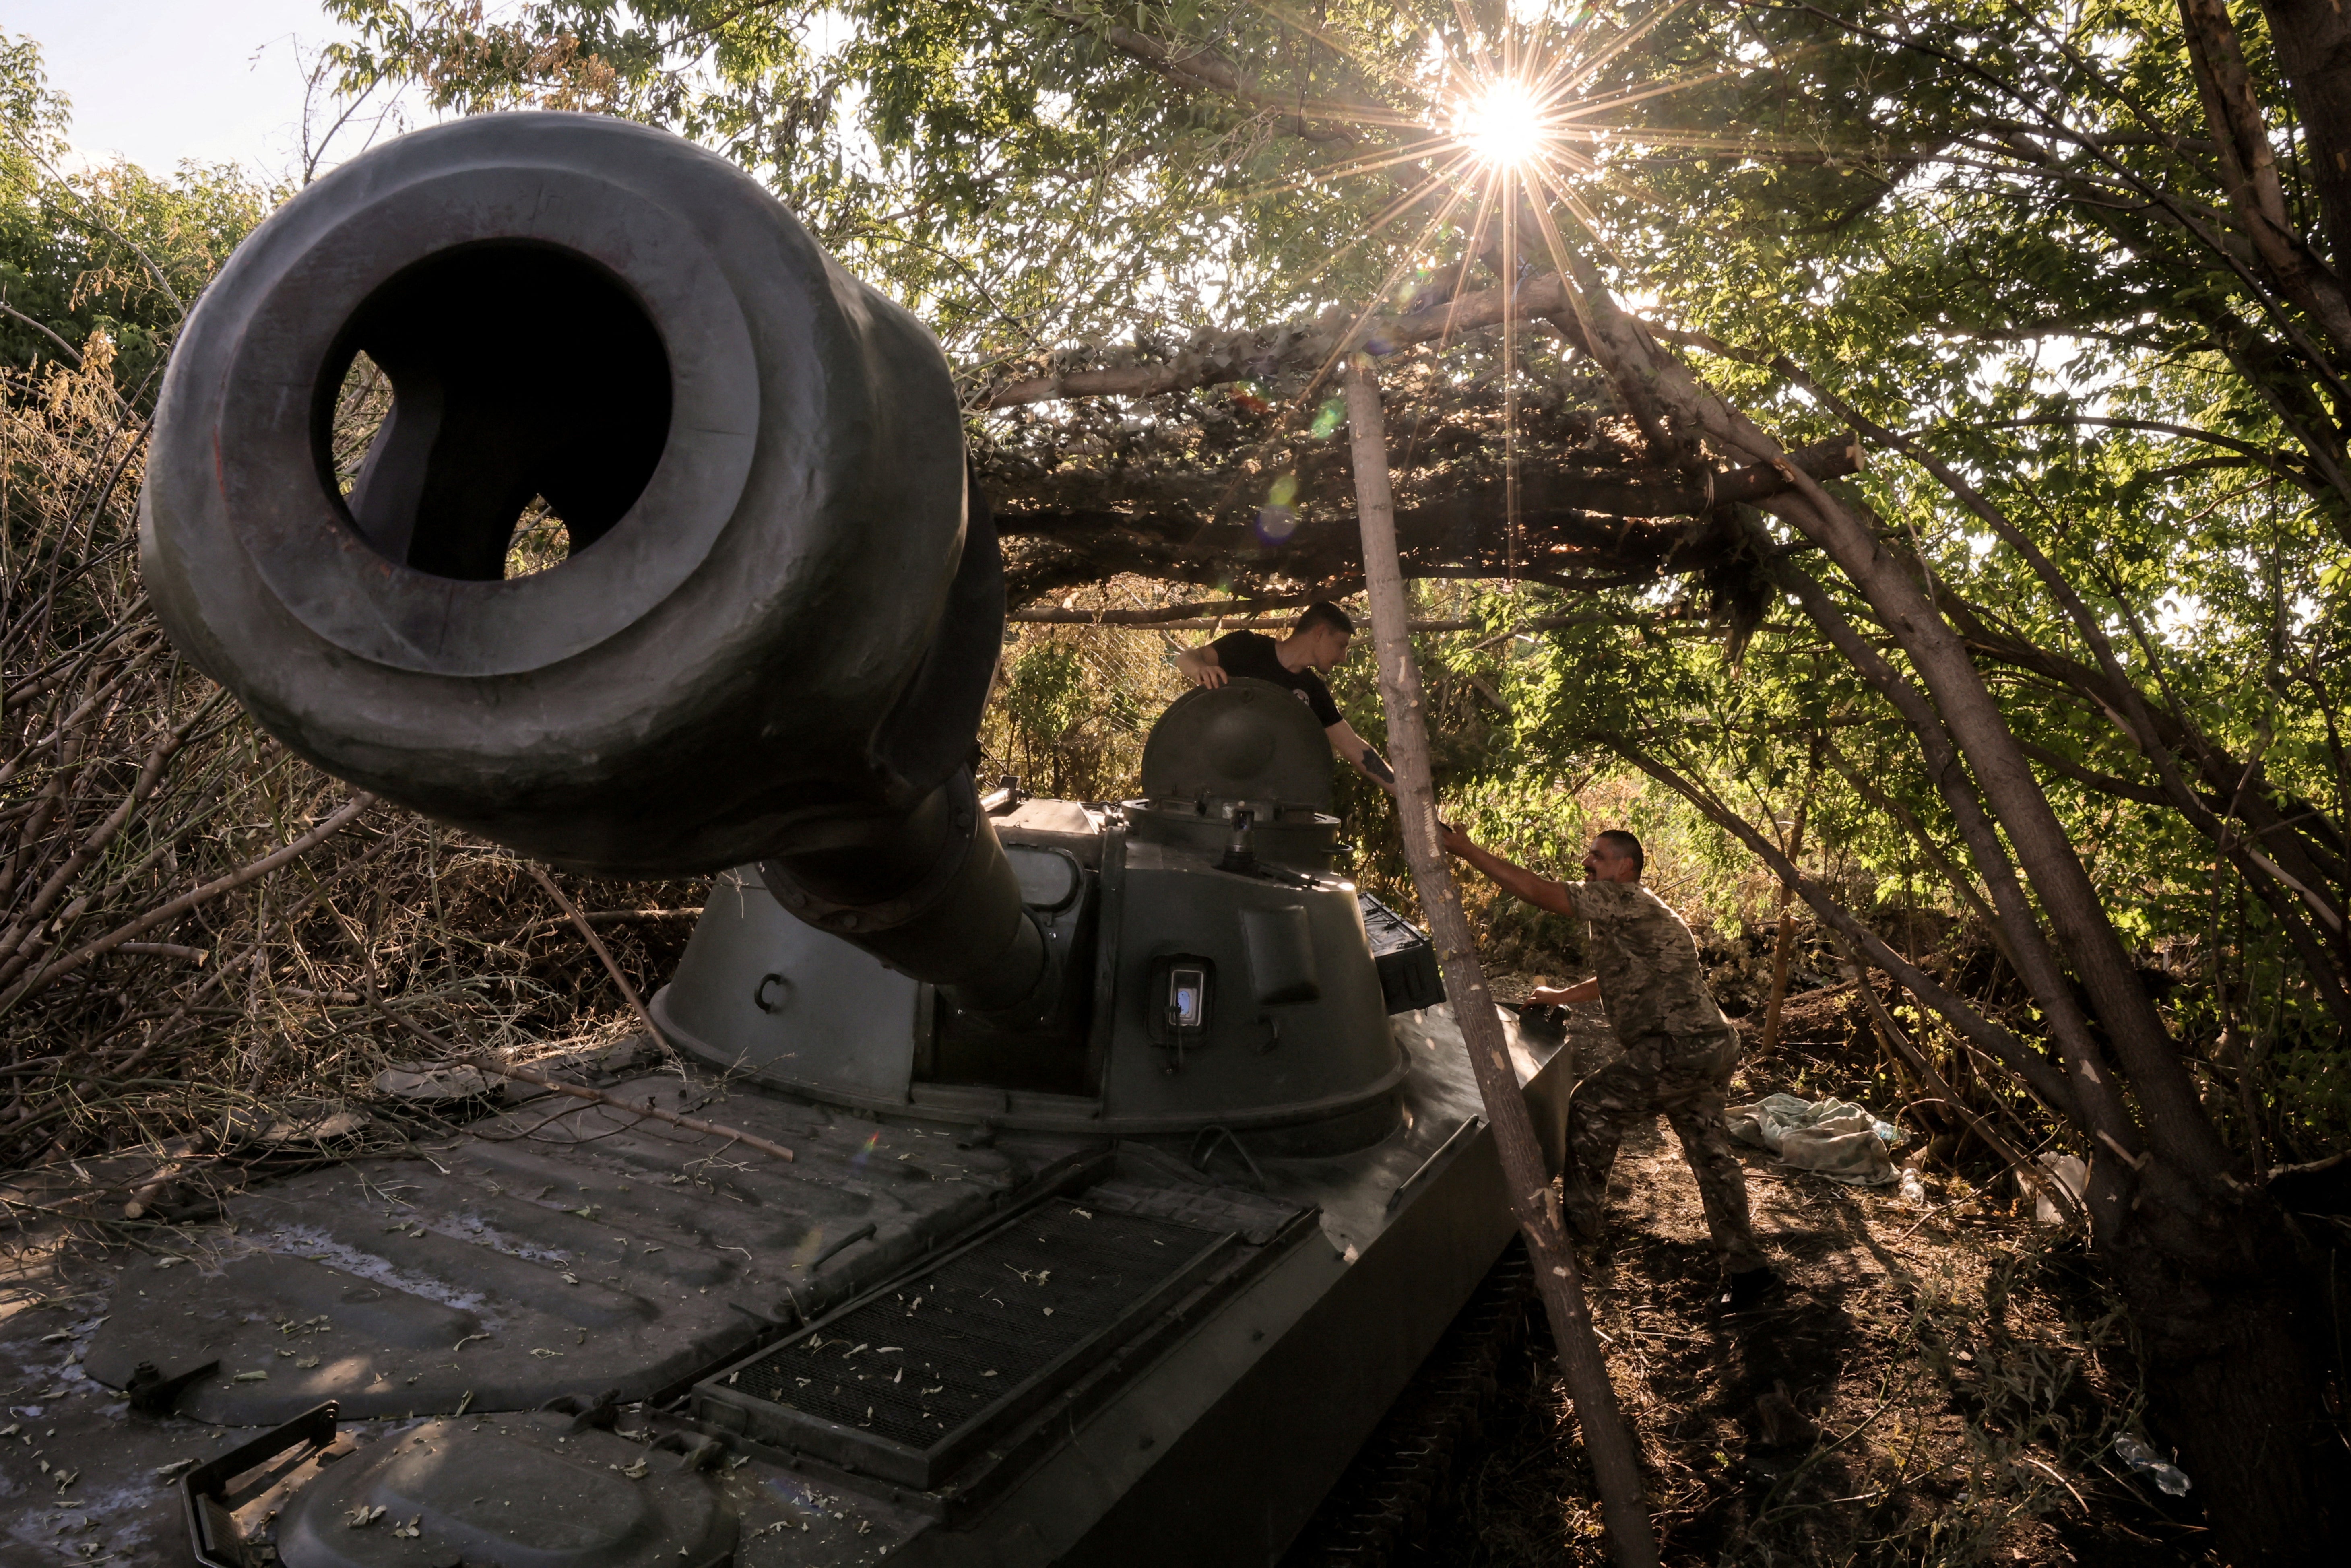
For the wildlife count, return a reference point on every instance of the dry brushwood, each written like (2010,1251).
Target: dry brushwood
(134,800)
(176,935)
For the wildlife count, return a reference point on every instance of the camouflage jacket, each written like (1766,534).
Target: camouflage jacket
(1646,962)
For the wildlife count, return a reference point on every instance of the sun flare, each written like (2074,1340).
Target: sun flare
(1502,125)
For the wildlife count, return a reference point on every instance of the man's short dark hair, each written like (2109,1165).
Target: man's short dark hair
(1323,612)
(1626,846)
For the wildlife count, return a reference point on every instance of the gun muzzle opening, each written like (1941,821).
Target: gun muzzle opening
(485,386)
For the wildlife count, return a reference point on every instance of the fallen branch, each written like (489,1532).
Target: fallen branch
(1162,614)
(605,953)
(488,1065)
(613,917)
(196,956)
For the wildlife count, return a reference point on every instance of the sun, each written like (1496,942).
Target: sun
(1502,125)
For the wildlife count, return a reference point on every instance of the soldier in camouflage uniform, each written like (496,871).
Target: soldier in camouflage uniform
(1679,1050)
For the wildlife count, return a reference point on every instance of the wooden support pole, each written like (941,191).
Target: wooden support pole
(1607,1440)
(1784,943)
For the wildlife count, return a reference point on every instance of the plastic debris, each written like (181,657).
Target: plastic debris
(2169,1479)
(1833,1138)
(2072,1175)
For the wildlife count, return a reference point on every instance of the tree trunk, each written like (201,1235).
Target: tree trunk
(1615,1467)
(2314,48)
(2233,1344)
(2175,1123)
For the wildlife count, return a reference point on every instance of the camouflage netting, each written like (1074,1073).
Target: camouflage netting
(1247,487)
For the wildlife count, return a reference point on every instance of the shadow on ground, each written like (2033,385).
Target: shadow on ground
(1937,1386)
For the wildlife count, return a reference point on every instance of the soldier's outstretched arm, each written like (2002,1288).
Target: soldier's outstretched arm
(1516,880)
(1358,751)
(1200,665)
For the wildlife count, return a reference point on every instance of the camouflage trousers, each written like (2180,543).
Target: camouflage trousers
(1686,1078)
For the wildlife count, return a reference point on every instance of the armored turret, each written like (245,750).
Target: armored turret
(1214,969)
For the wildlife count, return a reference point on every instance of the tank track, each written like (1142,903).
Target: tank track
(1401,1479)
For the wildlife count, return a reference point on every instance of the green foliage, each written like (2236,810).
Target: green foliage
(1002,171)
(1071,707)
(113,251)
(1044,698)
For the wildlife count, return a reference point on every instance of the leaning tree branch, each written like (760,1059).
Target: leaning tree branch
(2102,1108)
(2176,1122)
(2037,1071)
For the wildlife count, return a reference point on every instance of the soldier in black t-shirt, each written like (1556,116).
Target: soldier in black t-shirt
(1315,645)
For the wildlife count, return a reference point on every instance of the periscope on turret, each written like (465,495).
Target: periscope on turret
(1135,1162)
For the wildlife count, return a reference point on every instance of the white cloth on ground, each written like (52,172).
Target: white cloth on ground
(1833,1138)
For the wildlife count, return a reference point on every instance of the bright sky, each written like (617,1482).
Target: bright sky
(156,81)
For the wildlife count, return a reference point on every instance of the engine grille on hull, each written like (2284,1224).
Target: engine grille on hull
(910,1383)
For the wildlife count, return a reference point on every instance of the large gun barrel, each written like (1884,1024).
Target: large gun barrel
(781,604)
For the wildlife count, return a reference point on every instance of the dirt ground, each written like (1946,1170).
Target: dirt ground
(1938,1384)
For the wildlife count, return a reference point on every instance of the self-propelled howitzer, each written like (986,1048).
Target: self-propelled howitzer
(1135,1162)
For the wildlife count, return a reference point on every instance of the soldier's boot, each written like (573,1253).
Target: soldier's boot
(1593,1135)
(1746,1288)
